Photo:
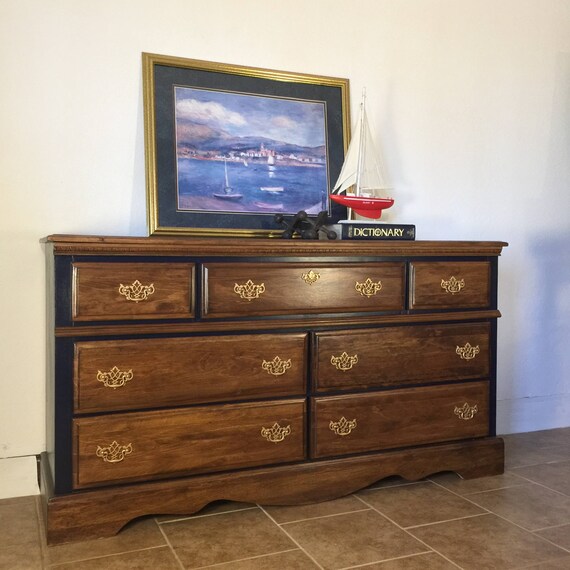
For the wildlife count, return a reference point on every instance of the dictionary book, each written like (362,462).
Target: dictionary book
(377,231)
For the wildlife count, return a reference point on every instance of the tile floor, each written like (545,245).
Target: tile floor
(517,520)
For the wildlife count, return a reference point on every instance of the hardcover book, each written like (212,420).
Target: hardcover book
(378,231)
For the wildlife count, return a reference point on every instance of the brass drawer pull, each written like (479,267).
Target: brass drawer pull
(115,452)
(467,352)
(466,412)
(137,291)
(344,362)
(343,426)
(275,433)
(452,285)
(369,288)
(276,367)
(249,290)
(310,277)
(115,378)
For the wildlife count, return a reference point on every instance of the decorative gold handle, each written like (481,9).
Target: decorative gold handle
(452,285)
(249,290)
(137,291)
(467,352)
(310,277)
(115,378)
(369,288)
(343,426)
(275,433)
(115,452)
(344,362)
(465,412)
(277,367)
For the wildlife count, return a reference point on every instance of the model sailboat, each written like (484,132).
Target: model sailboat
(362,170)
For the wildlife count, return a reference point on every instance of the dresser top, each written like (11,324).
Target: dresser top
(232,247)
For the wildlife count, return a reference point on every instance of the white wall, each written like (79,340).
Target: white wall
(470,99)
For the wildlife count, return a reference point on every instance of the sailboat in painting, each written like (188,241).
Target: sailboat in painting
(228,192)
(361,177)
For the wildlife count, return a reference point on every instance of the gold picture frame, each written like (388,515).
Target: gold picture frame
(227,147)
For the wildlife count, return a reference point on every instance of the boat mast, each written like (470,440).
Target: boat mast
(362,142)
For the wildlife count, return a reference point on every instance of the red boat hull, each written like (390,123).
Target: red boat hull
(367,207)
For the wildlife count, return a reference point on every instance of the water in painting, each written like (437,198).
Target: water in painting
(242,153)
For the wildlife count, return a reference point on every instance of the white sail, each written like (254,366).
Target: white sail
(362,167)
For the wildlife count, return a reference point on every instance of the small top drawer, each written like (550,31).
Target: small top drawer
(129,291)
(450,285)
(255,289)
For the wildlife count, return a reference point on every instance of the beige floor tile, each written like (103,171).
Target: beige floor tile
(428,561)
(302,512)
(531,506)
(544,438)
(19,500)
(212,509)
(560,535)
(352,539)
(487,543)
(553,475)
(225,537)
(26,557)
(520,453)
(561,564)
(18,524)
(292,560)
(152,559)
(422,503)
(466,487)
(135,536)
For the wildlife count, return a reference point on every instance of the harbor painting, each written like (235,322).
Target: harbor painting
(240,153)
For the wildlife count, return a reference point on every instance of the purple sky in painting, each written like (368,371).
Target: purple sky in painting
(286,120)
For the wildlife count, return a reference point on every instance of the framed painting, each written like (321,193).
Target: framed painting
(227,147)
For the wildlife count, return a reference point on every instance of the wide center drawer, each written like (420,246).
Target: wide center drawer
(376,421)
(390,356)
(255,289)
(129,447)
(143,373)
(126,291)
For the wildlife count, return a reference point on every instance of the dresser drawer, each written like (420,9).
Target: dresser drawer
(144,373)
(398,418)
(254,289)
(197,440)
(450,285)
(356,359)
(127,291)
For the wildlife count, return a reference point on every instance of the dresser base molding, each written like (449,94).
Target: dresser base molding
(103,512)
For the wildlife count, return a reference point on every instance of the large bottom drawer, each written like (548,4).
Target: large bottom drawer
(375,421)
(133,446)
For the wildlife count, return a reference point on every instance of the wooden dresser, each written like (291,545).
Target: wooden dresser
(184,371)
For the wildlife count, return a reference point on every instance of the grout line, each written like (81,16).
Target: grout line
(217,564)
(551,527)
(514,524)
(324,516)
(542,484)
(291,538)
(405,557)
(430,549)
(111,555)
(446,520)
(194,517)
(169,544)
(381,487)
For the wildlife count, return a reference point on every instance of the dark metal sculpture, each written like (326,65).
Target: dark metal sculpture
(304,227)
